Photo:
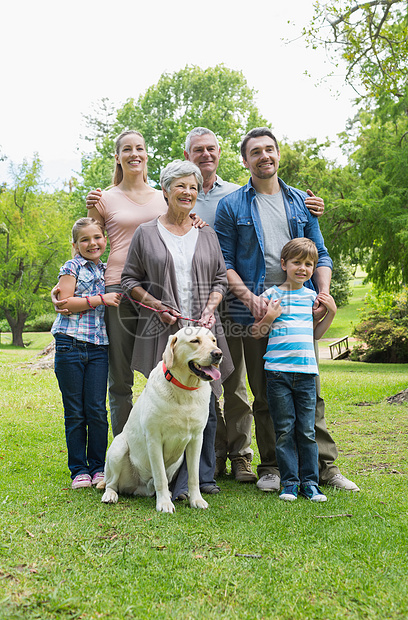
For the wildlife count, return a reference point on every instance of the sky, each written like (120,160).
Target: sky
(60,59)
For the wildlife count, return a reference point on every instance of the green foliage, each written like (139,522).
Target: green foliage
(381,157)
(340,287)
(371,37)
(40,323)
(218,98)
(34,241)
(384,329)
(347,317)
(304,165)
(368,217)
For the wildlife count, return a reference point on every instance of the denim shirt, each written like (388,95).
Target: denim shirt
(239,229)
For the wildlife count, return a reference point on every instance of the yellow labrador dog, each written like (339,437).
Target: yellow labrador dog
(167,419)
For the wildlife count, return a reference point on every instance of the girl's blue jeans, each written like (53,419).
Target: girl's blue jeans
(82,372)
(292,405)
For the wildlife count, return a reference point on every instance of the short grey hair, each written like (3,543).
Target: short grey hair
(199,131)
(176,170)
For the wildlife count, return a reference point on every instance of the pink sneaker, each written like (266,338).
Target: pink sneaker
(98,477)
(81,481)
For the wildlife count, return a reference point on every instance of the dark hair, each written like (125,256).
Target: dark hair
(118,174)
(257,133)
(302,248)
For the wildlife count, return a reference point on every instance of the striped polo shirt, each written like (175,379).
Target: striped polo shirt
(290,345)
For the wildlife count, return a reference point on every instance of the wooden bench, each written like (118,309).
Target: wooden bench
(339,349)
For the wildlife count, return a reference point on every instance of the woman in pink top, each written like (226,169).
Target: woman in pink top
(130,201)
(121,209)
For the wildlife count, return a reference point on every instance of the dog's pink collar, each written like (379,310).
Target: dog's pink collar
(169,377)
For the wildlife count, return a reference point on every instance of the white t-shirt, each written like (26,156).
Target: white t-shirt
(182,251)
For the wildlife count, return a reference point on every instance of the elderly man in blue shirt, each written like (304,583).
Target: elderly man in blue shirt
(253,223)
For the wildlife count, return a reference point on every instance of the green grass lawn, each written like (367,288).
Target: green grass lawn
(348,316)
(65,555)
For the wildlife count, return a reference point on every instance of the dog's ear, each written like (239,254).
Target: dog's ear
(168,355)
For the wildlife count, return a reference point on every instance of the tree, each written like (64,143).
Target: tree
(371,37)
(34,242)
(369,217)
(218,98)
(304,165)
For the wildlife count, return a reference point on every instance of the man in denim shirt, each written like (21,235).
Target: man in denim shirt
(253,224)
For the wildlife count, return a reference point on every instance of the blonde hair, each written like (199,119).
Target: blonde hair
(302,248)
(118,174)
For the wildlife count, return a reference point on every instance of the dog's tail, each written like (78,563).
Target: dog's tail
(101,485)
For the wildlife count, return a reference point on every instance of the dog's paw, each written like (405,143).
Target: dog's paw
(165,506)
(198,502)
(110,497)
(101,485)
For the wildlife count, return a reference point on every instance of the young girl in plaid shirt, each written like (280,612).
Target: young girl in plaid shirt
(81,353)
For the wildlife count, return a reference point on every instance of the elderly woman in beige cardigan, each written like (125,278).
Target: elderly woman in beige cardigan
(174,267)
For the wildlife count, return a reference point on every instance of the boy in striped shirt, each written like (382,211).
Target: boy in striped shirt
(291,366)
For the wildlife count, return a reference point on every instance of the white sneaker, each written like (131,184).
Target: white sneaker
(341,482)
(269,482)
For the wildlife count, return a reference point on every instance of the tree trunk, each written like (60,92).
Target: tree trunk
(16,326)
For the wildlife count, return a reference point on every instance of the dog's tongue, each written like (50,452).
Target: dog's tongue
(212,371)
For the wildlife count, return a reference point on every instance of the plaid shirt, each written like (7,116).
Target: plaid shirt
(89,325)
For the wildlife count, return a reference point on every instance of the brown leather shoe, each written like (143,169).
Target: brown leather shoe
(242,471)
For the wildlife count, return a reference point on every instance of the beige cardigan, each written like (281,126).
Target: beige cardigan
(149,264)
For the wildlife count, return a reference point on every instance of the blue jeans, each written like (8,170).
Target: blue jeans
(82,373)
(292,404)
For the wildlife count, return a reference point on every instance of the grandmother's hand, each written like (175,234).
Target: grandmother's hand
(170,316)
(207,319)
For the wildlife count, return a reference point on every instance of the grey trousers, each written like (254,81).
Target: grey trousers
(233,431)
(121,326)
(233,438)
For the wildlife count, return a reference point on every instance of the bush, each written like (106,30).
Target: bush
(383,330)
(41,323)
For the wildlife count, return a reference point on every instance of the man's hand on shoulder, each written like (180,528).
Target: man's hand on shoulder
(93,198)
(315,204)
